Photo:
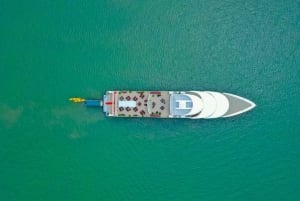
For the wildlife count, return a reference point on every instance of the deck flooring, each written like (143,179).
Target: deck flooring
(148,104)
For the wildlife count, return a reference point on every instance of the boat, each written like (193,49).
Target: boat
(170,104)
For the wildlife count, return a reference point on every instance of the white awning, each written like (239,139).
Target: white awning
(222,104)
(209,104)
(197,104)
(127,104)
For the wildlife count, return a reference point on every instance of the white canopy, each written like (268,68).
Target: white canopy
(222,104)
(209,104)
(197,104)
(127,104)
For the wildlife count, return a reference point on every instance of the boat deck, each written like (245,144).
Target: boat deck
(138,103)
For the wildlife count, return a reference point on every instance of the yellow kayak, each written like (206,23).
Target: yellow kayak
(77,100)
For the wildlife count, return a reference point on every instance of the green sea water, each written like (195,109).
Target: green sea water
(52,150)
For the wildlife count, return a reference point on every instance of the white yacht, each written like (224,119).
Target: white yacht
(170,104)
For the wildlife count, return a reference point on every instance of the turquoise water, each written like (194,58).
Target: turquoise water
(51,149)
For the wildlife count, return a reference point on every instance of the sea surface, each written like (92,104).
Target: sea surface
(53,150)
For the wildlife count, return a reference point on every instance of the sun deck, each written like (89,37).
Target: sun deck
(137,103)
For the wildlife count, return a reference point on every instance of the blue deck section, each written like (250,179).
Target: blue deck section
(92,103)
(174,104)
